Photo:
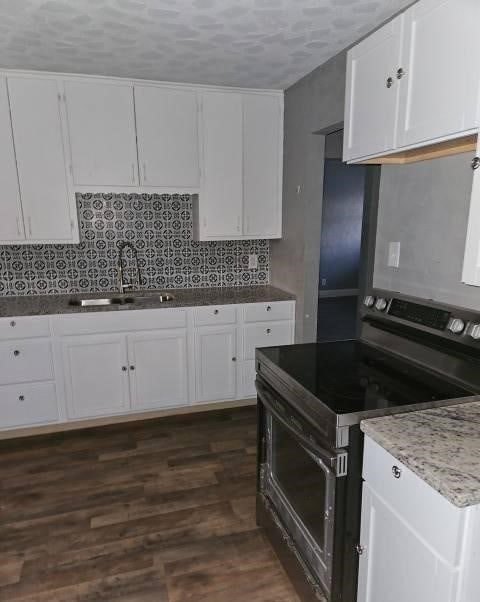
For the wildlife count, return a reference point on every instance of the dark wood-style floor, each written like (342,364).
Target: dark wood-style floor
(150,511)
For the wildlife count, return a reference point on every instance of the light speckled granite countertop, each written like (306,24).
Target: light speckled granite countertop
(441,446)
(36,305)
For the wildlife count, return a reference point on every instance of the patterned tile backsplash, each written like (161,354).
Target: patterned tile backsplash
(159,226)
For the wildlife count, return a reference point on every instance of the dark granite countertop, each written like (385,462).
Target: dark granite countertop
(36,305)
(441,446)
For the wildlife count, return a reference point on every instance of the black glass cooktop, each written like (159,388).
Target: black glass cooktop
(350,376)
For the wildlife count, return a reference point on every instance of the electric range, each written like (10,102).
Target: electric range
(411,355)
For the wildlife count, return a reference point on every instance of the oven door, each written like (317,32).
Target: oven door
(299,478)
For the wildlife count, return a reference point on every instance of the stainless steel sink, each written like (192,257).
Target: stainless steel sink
(100,302)
(157,298)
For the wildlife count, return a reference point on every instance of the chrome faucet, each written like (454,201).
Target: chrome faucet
(122,285)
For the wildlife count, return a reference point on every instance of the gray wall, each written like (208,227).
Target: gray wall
(313,104)
(424,206)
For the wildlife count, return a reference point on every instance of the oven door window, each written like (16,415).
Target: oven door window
(302,489)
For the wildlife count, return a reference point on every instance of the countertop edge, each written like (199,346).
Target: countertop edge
(402,454)
(51,305)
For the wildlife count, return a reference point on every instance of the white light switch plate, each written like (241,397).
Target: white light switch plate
(253,262)
(393,255)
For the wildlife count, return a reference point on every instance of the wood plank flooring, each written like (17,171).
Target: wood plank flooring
(154,511)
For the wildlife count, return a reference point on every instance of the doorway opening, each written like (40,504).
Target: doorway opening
(346,241)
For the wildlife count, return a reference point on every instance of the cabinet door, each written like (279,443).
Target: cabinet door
(371,100)
(11,223)
(396,565)
(96,375)
(471,263)
(167,132)
(439,90)
(215,363)
(101,123)
(158,369)
(42,170)
(262,161)
(221,196)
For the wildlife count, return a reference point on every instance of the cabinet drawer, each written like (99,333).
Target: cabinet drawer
(418,504)
(265,335)
(21,405)
(25,360)
(119,321)
(215,314)
(277,310)
(24,327)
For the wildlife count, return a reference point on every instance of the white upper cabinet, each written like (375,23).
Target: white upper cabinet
(39,137)
(241,183)
(415,81)
(471,264)
(101,122)
(74,134)
(221,194)
(439,71)
(262,164)
(167,132)
(372,92)
(11,222)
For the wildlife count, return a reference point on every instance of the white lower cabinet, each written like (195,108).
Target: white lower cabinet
(96,375)
(158,369)
(397,565)
(216,363)
(248,379)
(72,367)
(415,545)
(28,404)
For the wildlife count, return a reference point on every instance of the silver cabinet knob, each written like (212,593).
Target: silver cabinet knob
(16,353)
(215,311)
(13,323)
(400,73)
(397,473)
(475,162)
(359,549)
(21,398)
(124,368)
(268,331)
(234,359)
(269,308)
(132,367)
(389,82)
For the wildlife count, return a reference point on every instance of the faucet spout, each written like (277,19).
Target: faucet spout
(122,285)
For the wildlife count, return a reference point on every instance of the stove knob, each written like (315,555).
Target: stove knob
(474,331)
(369,301)
(381,304)
(457,326)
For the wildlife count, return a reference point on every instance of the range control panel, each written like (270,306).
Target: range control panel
(419,314)
(448,321)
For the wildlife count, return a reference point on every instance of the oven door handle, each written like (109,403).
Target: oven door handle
(335,461)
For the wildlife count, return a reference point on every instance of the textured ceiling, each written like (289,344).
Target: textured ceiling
(253,43)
